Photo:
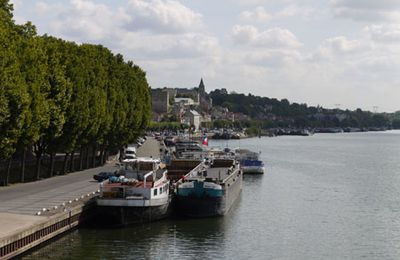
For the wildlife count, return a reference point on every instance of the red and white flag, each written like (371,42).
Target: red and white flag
(205,140)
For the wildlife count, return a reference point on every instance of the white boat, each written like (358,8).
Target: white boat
(249,161)
(140,194)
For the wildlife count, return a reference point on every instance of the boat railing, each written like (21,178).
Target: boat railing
(196,169)
(146,176)
(233,169)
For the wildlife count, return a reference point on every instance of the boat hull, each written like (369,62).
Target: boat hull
(200,207)
(253,169)
(207,206)
(252,166)
(127,215)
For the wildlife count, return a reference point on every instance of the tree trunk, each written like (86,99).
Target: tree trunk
(94,155)
(23,161)
(121,154)
(71,163)
(87,157)
(52,155)
(38,164)
(106,157)
(81,159)
(102,155)
(8,171)
(64,169)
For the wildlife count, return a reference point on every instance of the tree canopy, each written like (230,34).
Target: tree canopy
(58,96)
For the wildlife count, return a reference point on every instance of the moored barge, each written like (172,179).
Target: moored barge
(210,190)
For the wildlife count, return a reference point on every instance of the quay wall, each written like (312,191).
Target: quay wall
(51,226)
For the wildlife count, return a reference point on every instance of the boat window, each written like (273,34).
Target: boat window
(155,192)
(160,190)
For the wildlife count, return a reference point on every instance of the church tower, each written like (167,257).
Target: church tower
(202,89)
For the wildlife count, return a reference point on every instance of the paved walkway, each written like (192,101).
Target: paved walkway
(29,198)
(20,202)
(150,148)
(12,223)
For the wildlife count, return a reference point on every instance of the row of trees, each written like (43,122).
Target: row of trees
(281,113)
(57,96)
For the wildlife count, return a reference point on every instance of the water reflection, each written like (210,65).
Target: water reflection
(197,238)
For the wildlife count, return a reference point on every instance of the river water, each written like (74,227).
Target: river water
(327,196)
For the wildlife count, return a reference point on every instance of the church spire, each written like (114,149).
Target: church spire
(202,88)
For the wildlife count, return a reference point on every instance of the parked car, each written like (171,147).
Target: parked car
(130,157)
(130,150)
(169,141)
(101,176)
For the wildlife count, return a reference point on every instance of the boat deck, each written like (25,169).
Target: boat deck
(217,173)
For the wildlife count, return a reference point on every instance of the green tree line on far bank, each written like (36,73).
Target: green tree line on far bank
(267,112)
(60,97)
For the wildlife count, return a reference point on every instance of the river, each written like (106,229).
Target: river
(327,196)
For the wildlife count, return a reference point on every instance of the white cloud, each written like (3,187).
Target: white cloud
(162,16)
(383,33)
(178,47)
(305,12)
(41,7)
(85,20)
(257,15)
(367,4)
(273,58)
(276,38)
(367,10)
(339,45)
(260,15)
(163,29)
(94,21)
(263,2)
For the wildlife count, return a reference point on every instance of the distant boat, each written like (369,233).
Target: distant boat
(329,130)
(209,191)
(249,161)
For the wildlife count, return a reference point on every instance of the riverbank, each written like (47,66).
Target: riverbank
(32,213)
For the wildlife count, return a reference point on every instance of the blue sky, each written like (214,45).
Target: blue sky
(326,52)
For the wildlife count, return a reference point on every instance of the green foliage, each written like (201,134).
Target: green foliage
(395,119)
(253,131)
(13,94)
(173,126)
(57,96)
(33,66)
(282,113)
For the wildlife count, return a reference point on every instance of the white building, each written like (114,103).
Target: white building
(192,117)
(186,101)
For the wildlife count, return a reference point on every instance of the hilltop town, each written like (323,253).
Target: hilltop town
(197,109)
(190,106)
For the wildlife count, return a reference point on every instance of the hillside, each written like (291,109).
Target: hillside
(273,112)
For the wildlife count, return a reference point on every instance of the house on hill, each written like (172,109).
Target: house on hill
(192,118)
(178,100)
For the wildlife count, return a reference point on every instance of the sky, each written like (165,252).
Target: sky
(335,53)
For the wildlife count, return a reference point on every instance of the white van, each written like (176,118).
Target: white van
(130,152)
